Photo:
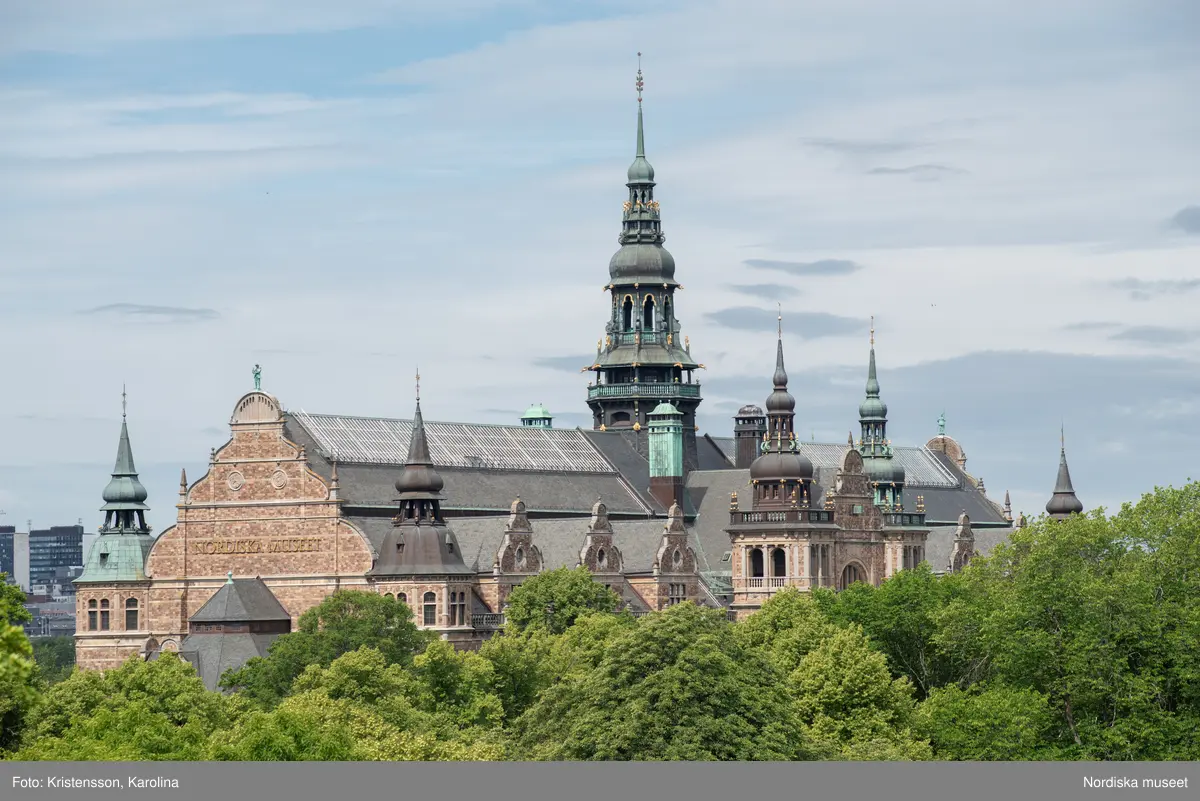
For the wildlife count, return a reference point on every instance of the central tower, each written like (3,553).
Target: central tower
(642,362)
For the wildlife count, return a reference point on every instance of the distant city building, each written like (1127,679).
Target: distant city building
(450,517)
(8,553)
(52,549)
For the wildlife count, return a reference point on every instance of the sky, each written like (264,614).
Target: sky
(341,192)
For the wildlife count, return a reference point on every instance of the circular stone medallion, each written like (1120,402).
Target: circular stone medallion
(279,479)
(236,481)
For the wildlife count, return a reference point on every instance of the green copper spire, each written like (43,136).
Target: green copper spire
(124,493)
(885,474)
(640,172)
(119,553)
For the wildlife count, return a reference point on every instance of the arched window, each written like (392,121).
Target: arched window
(91,615)
(852,574)
(388,595)
(601,558)
(756,563)
(666,313)
(430,615)
(402,598)
(104,615)
(627,313)
(778,563)
(648,313)
(131,614)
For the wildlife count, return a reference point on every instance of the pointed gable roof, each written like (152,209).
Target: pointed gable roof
(241,601)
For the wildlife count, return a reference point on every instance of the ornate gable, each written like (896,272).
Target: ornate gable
(674,555)
(517,553)
(599,554)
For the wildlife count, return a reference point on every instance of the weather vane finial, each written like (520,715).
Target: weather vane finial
(872,330)
(779,319)
(1062,435)
(639,77)
(418,385)
(122,401)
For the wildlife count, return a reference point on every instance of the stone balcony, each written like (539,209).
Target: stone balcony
(797,516)
(647,389)
(768,584)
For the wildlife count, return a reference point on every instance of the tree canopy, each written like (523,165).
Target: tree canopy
(1074,640)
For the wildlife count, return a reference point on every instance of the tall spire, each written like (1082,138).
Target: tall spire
(420,480)
(640,172)
(780,378)
(886,475)
(1063,503)
(124,497)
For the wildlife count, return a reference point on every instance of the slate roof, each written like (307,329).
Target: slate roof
(940,545)
(712,453)
(488,489)
(559,539)
(213,654)
(377,440)
(241,601)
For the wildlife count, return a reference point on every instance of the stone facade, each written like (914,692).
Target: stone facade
(845,539)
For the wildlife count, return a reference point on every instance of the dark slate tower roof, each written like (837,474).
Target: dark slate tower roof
(1063,503)
(781,458)
(241,601)
(420,543)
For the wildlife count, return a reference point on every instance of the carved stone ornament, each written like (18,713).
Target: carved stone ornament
(279,479)
(236,481)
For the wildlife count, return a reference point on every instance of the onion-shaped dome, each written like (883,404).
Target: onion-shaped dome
(884,471)
(640,260)
(781,466)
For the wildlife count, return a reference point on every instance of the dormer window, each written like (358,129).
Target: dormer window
(450,547)
(400,547)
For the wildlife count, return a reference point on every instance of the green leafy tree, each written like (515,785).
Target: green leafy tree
(12,603)
(987,724)
(18,685)
(899,617)
(358,708)
(787,627)
(554,599)
(1075,611)
(55,658)
(155,710)
(676,686)
(850,706)
(343,622)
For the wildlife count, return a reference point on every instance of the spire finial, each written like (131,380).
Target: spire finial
(418,385)
(229,577)
(779,319)
(872,330)
(122,401)
(639,82)
(1062,436)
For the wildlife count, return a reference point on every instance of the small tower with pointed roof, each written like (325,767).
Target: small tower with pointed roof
(1063,503)
(643,359)
(782,476)
(884,472)
(675,567)
(421,555)
(111,593)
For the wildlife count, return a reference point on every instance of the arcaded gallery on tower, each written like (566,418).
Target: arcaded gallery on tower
(449,517)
